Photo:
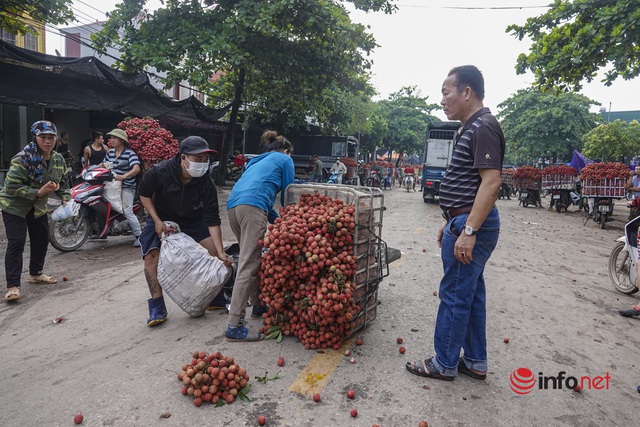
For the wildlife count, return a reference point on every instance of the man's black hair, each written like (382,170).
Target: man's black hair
(469,75)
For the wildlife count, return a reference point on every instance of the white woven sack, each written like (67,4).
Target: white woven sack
(188,274)
(113,193)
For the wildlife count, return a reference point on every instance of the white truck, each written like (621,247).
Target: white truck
(438,148)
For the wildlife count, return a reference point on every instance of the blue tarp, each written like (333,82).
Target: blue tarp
(578,161)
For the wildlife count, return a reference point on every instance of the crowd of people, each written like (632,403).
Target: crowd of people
(180,190)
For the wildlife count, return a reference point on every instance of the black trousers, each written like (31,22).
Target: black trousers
(16,228)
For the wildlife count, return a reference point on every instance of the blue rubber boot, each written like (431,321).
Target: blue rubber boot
(157,311)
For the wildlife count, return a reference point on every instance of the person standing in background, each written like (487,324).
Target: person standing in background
(316,173)
(95,152)
(62,147)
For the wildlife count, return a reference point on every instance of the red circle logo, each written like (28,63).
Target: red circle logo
(522,380)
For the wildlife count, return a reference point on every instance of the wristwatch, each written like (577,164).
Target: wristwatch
(469,231)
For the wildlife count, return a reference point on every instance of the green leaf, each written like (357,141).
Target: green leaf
(272,335)
(219,403)
(279,339)
(273,329)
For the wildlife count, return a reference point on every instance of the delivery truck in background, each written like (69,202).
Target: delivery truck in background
(438,147)
(328,149)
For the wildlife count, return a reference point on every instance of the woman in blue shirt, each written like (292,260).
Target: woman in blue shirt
(250,208)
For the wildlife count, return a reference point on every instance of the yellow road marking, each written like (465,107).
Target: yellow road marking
(316,374)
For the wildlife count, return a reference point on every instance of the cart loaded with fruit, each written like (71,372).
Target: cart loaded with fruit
(560,183)
(602,183)
(322,263)
(528,182)
(507,187)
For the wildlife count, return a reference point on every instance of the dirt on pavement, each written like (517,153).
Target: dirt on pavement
(548,292)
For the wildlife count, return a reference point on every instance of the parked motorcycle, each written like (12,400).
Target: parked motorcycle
(374,180)
(623,259)
(96,218)
(233,172)
(562,199)
(529,196)
(601,210)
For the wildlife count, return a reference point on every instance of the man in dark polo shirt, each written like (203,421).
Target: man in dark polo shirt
(469,235)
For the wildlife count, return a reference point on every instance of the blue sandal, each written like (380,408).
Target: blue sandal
(242,334)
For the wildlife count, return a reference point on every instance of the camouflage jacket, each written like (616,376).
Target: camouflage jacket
(19,193)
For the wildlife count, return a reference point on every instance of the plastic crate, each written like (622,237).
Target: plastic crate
(604,187)
(368,247)
(507,178)
(368,309)
(533,184)
(557,181)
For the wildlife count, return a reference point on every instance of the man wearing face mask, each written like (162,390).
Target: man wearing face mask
(179,190)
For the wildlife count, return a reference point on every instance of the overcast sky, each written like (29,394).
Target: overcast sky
(424,39)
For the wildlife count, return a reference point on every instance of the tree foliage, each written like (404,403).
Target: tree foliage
(576,38)
(406,114)
(613,142)
(303,58)
(537,124)
(16,16)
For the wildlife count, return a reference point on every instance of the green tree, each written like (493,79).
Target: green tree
(613,142)
(537,124)
(576,38)
(406,114)
(17,15)
(288,60)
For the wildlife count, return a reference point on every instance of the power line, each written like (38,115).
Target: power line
(422,6)
(88,5)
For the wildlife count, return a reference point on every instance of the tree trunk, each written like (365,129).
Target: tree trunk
(231,132)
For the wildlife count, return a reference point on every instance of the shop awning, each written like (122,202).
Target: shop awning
(35,79)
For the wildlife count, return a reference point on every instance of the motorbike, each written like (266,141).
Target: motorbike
(374,180)
(601,210)
(562,199)
(96,217)
(333,178)
(233,172)
(409,182)
(623,259)
(529,196)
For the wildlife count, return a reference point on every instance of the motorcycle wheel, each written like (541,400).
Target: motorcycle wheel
(603,221)
(558,207)
(525,203)
(619,266)
(64,238)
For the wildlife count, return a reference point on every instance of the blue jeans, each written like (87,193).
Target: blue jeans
(461,320)
(128,195)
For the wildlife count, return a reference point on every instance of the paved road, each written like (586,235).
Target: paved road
(548,292)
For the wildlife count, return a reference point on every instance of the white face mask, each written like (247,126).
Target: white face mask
(196,169)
